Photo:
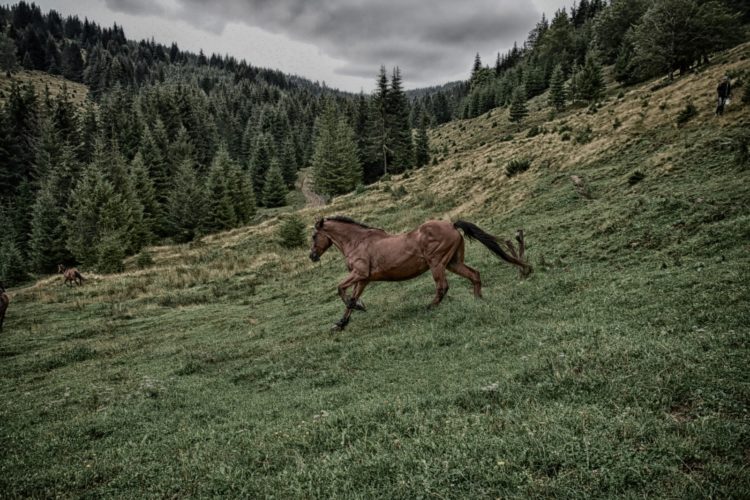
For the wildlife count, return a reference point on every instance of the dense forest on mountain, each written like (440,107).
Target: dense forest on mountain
(168,145)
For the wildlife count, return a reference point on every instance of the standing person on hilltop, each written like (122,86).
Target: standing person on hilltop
(725,91)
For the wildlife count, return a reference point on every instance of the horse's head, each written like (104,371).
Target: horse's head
(61,268)
(320,241)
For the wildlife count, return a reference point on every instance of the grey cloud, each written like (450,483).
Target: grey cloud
(426,39)
(141,7)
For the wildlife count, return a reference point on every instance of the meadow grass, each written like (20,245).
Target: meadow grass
(619,369)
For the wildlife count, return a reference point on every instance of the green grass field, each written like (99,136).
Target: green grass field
(619,369)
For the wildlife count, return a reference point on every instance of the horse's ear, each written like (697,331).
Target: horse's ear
(319,223)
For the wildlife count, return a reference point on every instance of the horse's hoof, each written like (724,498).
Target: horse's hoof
(337,328)
(360,306)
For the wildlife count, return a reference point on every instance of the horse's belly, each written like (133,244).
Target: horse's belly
(400,273)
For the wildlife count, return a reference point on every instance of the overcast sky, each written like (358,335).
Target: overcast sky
(341,42)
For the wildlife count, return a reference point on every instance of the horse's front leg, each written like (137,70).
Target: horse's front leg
(344,286)
(352,303)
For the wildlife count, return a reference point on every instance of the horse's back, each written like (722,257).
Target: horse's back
(437,232)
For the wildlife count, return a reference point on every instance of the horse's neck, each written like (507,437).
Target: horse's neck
(346,239)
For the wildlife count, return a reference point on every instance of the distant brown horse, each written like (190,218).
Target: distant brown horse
(4,301)
(70,275)
(373,255)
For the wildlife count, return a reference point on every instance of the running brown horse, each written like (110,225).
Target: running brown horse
(70,275)
(4,301)
(373,255)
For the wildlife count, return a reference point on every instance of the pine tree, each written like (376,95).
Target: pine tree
(421,144)
(158,169)
(518,110)
(400,143)
(557,95)
(7,55)
(52,57)
(379,153)
(88,133)
(181,150)
(674,34)
(108,159)
(335,163)
(72,62)
(274,187)
(83,216)
(64,117)
(288,160)
(220,210)
(242,193)
(12,267)
(186,204)
(10,170)
(291,232)
(587,83)
(263,154)
(47,237)
(153,217)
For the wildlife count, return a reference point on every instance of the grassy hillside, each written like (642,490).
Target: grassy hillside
(619,369)
(39,80)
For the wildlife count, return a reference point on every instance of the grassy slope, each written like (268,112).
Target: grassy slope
(40,80)
(619,369)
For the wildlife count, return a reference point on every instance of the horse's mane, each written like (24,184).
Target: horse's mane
(348,220)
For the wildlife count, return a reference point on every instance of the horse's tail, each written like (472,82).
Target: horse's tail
(473,232)
(79,275)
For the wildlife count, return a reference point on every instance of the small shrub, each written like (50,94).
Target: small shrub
(617,123)
(494,124)
(534,131)
(292,232)
(435,160)
(399,192)
(686,113)
(456,165)
(360,188)
(506,138)
(516,166)
(621,94)
(584,136)
(144,260)
(662,106)
(565,137)
(644,103)
(636,177)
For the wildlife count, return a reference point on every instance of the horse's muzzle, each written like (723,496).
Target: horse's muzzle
(314,256)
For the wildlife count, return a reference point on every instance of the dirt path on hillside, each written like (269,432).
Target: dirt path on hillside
(304,184)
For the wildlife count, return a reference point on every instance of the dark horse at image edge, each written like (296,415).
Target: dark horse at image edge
(4,301)
(374,255)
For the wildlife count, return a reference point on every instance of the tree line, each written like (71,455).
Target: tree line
(169,145)
(641,39)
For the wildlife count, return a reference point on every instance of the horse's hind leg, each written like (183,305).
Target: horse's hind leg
(441,285)
(469,273)
(456,265)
